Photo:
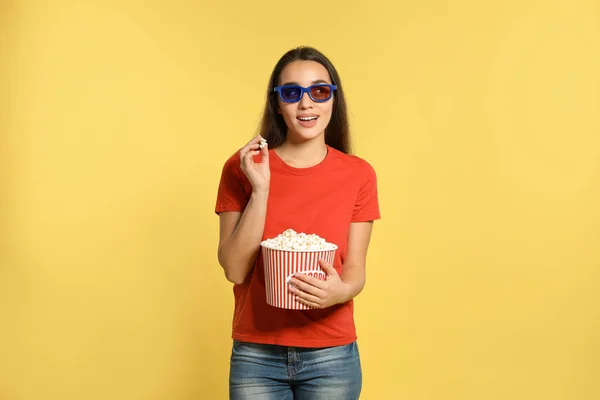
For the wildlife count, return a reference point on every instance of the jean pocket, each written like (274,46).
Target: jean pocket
(355,349)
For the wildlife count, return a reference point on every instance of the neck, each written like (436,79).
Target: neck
(303,155)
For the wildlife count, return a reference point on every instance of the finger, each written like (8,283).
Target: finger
(309,280)
(247,148)
(311,304)
(246,160)
(305,296)
(307,287)
(248,157)
(328,268)
(252,153)
(253,144)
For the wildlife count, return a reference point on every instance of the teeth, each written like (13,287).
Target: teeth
(307,118)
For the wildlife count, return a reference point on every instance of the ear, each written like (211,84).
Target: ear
(278,110)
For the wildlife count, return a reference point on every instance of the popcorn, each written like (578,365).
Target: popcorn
(288,254)
(291,240)
(263,143)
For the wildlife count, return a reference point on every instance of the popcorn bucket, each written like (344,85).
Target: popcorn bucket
(281,265)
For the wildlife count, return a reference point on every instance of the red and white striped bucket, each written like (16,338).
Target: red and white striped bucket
(279,267)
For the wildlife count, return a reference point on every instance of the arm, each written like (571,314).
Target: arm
(240,233)
(239,237)
(338,289)
(354,269)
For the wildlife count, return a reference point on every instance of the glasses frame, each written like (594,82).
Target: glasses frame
(307,90)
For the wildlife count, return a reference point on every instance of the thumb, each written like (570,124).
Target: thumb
(328,268)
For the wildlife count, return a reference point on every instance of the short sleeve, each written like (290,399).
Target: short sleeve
(232,194)
(366,207)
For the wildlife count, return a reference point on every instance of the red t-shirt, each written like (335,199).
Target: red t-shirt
(324,200)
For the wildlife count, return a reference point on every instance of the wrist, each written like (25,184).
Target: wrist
(260,193)
(346,292)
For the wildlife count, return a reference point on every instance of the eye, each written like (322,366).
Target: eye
(321,92)
(291,92)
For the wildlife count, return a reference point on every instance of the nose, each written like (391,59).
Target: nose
(305,101)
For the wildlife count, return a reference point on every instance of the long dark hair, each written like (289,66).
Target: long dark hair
(273,127)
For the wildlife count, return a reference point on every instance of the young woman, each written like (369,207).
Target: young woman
(305,180)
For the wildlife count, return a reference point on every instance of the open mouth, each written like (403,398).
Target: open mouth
(308,119)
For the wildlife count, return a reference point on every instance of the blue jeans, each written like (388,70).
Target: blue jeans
(269,372)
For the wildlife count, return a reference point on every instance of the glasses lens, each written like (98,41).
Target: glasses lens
(320,92)
(290,93)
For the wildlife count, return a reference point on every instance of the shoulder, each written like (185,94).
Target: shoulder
(356,164)
(232,164)
(233,160)
(232,171)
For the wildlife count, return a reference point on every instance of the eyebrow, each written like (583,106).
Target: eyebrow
(312,83)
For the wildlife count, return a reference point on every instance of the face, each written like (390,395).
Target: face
(305,119)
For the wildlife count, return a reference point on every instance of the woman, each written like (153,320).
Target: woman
(305,180)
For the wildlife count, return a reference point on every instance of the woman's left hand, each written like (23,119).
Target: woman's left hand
(316,293)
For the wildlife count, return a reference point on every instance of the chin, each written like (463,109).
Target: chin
(304,135)
(309,133)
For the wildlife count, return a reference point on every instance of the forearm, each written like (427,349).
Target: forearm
(239,251)
(354,277)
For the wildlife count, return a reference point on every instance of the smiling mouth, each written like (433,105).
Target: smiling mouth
(305,119)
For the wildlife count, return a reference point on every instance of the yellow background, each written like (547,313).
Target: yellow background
(481,119)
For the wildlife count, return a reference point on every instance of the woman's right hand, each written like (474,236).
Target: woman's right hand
(259,173)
